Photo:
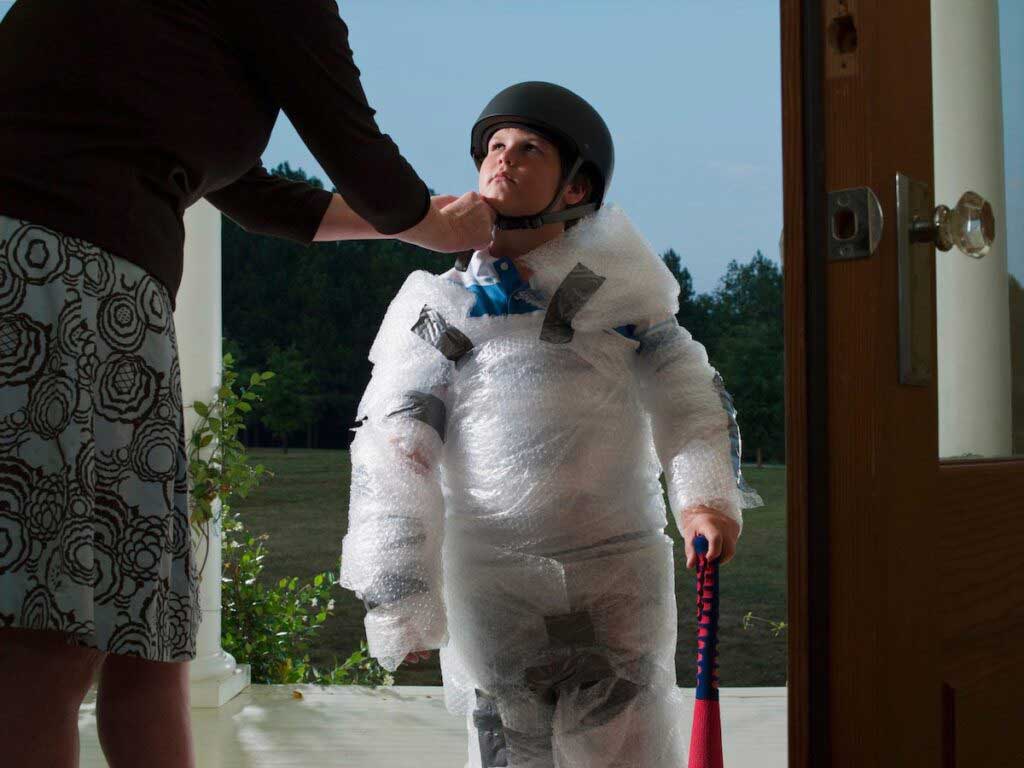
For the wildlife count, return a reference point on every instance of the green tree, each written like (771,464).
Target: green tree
(289,398)
(691,315)
(748,352)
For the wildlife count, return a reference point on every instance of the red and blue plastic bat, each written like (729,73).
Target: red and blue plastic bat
(706,734)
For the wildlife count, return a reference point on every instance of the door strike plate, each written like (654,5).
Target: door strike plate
(854,223)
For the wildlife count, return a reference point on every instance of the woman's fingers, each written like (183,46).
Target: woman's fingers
(442,201)
(471,220)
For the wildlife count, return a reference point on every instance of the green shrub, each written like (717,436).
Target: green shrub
(269,627)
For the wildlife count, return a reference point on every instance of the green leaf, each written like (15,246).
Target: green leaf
(200,408)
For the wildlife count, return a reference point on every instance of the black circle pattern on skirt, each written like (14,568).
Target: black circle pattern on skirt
(94,533)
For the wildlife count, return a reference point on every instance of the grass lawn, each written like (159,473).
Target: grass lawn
(304,510)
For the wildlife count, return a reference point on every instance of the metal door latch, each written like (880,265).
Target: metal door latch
(855,223)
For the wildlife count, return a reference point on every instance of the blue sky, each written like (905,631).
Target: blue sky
(698,157)
(689,88)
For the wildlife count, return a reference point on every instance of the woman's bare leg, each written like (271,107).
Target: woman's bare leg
(142,713)
(42,683)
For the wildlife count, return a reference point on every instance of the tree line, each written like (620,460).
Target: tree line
(311,314)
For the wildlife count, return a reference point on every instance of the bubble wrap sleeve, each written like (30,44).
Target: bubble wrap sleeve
(391,555)
(693,422)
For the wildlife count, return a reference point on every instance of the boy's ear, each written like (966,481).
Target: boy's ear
(575,193)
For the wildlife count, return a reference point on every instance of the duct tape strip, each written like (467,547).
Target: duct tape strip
(435,330)
(389,588)
(462,260)
(570,629)
(424,407)
(734,431)
(491,732)
(575,291)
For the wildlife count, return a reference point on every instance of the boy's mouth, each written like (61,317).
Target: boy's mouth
(503,177)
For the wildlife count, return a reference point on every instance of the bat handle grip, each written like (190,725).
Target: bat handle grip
(707,621)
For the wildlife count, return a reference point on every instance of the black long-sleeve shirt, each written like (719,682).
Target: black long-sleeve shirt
(116,115)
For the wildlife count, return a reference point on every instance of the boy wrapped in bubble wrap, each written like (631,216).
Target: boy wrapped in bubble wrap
(505,502)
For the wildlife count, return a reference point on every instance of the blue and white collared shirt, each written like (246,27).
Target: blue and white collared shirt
(501,290)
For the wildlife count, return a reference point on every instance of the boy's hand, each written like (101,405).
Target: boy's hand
(417,656)
(720,530)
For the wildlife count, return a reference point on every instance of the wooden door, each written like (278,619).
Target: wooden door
(906,569)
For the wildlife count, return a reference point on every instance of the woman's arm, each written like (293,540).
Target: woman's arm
(450,224)
(268,204)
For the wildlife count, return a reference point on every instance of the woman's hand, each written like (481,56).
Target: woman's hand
(453,224)
(720,530)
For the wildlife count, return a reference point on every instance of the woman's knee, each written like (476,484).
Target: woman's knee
(41,663)
(129,681)
(142,715)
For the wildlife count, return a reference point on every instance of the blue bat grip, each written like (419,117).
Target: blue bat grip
(707,621)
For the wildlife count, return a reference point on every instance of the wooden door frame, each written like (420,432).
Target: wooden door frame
(806,394)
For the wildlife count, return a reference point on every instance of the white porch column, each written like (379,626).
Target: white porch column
(215,678)
(974,374)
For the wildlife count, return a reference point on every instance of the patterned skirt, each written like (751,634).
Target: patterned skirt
(94,533)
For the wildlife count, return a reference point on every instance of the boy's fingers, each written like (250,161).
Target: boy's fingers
(714,545)
(727,553)
(689,551)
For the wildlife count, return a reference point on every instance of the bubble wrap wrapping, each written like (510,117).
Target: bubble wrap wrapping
(506,505)
(391,554)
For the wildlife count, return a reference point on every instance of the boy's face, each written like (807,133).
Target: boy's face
(520,173)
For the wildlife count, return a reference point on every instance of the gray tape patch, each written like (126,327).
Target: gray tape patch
(571,629)
(424,407)
(462,260)
(734,431)
(435,330)
(390,588)
(491,732)
(575,291)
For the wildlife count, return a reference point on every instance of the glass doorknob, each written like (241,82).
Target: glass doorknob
(970,226)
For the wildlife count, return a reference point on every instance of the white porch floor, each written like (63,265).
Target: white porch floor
(402,726)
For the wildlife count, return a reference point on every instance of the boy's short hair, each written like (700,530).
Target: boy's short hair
(582,177)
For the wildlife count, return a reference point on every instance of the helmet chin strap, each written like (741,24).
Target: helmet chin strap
(548,216)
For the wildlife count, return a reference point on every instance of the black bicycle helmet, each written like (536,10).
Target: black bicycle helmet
(566,119)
